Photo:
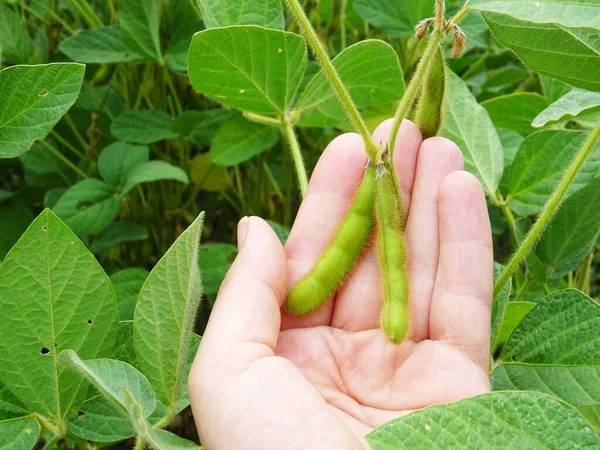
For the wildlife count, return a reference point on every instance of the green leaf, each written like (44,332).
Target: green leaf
(394,18)
(117,162)
(499,304)
(500,80)
(37,97)
(201,126)
(511,142)
(215,260)
(514,313)
(64,300)
(572,232)
(15,217)
(176,56)
(19,434)
(371,72)
(515,111)
(100,99)
(467,123)
(42,167)
(555,350)
(571,55)
(553,89)
(238,140)
(572,104)
(117,233)
(498,420)
(143,127)
(139,21)
(580,13)
(207,175)
(98,46)
(164,440)
(223,13)
(154,171)
(17,46)
(128,284)
(165,315)
(88,207)
(540,164)
(247,67)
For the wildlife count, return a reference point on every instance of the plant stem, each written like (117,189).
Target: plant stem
(550,209)
(290,135)
(460,15)
(88,13)
(512,223)
(320,53)
(76,132)
(139,444)
(174,93)
(259,118)
(64,159)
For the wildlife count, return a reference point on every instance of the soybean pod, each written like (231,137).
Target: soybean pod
(391,253)
(312,291)
(428,114)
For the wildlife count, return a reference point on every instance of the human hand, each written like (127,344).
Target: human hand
(265,380)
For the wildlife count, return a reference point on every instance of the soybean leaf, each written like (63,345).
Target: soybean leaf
(88,207)
(370,71)
(468,124)
(582,13)
(555,350)
(34,98)
(165,315)
(514,313)
(154,171)
(572,104)
(44,168)
(394,18)
(511,141)
(553,89)
(15,217)
(164,440)
(143,127)
(215,260)
(201,126)
(515,111)
(100,99)
(17,46)
(238,140)
(500,80)
(64,300)
(119,160)
(19,434)
(499,304)
(571,55)
(176,55)
(540,164)
(222,13)
(117,233)
(207,175)
(102,45)
(572,232)
(248,67)
(139,21)
(128,284)
(498,420)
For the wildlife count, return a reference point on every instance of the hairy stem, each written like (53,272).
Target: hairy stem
(259,118)
(290,135)
(550,209)
(334,79)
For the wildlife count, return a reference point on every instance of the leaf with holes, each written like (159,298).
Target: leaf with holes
(572,232)
(573,103)
(64,300)
(392,17)
(555,350)
(498,420)
(88,207)
(468,124)
(247,67)
(165,314)
(238,140)
(371,72)
(98,46)
(540,164)
(34,98)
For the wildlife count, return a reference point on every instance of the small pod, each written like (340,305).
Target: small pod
(340,256)
(428,114)
(391,253)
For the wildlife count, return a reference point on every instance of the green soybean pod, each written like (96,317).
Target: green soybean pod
(312,291)
(391,253)
(429,111)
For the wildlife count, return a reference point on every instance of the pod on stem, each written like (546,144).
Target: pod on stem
(429,113)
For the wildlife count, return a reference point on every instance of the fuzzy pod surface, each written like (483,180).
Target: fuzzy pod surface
(312,291)
(429,113)
(391,253)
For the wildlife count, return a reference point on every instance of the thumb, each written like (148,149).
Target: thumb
(247,309)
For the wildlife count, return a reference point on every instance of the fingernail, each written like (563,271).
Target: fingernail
(242,231)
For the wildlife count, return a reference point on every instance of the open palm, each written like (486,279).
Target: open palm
(266,380)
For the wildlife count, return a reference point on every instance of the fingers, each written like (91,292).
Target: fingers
(461,305)
(437,158)
(358,303)
(331,190)
(246,316)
